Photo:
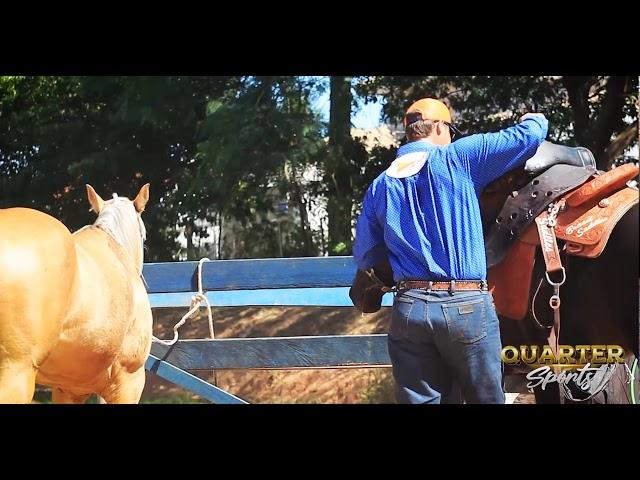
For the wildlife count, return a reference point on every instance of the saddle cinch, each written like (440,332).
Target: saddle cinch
(571,201)
(567,199)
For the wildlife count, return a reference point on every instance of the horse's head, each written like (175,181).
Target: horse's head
(121,218)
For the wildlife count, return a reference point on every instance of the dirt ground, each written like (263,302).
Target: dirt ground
(353,385)
(358,385)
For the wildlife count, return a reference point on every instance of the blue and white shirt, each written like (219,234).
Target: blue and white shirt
(423,212)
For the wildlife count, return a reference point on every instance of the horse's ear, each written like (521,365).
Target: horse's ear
(142,198)
(94,199)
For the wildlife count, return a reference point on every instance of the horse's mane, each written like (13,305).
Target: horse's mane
(119,219)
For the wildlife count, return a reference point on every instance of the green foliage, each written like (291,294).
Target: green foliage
(43,395)
(581,110)
(226,150)
(115,133)
(178,398)
(340,249)
(255,150)
(380,388)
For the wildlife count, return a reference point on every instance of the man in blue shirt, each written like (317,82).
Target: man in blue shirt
(423,214)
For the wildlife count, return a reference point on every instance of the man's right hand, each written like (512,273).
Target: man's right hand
(530,115)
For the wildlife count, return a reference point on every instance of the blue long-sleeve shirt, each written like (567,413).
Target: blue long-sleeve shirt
(428,223)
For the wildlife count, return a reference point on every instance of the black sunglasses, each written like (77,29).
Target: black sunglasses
(452,130)
(413,117)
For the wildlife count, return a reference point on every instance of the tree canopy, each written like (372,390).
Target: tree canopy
(248,159)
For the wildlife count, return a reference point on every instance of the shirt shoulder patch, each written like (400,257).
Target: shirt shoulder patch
(407,165)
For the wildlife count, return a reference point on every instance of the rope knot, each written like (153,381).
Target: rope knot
(196,300)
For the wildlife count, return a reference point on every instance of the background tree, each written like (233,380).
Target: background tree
(243,166)
(599,113)
(116,133)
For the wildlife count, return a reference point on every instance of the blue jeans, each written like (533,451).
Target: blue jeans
(444,346)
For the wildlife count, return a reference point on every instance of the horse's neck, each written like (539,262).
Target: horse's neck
(95,240)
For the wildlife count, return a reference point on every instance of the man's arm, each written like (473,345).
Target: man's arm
(368,246)
(490,155)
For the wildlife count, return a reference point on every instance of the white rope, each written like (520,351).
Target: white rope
(533,305)
(196,301)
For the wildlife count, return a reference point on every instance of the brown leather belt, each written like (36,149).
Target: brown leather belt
(451,286)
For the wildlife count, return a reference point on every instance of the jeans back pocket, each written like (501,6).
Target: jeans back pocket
(466,320)
(399,325)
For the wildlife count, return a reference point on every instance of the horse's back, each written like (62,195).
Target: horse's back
(37,269)
(106,321)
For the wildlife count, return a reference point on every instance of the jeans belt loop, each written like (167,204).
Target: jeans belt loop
(452,287)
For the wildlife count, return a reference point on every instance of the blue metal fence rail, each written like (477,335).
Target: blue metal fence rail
(320,281)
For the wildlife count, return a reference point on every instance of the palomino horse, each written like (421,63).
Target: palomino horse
(74,312)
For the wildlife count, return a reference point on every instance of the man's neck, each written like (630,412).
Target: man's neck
(425,140)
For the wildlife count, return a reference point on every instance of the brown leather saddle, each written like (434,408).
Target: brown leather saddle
(585,218)
(582,218)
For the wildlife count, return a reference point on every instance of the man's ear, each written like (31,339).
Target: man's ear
(141,199)
(95,200)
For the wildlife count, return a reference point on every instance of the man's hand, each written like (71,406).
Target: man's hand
(529,115)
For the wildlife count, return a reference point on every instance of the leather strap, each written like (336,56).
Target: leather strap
(549,243)
(546,223)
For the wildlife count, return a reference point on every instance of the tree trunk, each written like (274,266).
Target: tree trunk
(304,219)
(339,224)
(594,132)
(620,144)
(322,247)
(578,90)
(337,175)
(188,233)
(340,111)
(220,222)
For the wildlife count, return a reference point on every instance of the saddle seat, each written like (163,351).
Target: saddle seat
(550,154)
